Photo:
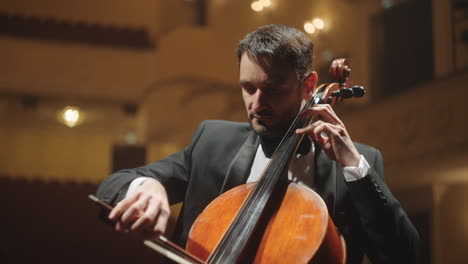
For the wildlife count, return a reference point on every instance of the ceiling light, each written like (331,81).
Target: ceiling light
(318,23)
(257,6)
(265,3)
(309,27)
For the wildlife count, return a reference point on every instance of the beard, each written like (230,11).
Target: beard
(267,126)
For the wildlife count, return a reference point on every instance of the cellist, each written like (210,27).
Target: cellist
(276,77)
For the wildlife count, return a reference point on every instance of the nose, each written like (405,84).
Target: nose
(259,100)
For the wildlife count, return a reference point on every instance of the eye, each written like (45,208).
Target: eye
(275,90)
(250,89)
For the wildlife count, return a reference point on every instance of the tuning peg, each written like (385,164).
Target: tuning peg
(358,91)
(346,93)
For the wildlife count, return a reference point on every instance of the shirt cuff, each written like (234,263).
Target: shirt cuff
(353,173)
(134,184)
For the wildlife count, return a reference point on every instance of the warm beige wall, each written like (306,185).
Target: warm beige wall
(76,69)
(54,155)
(425,125)
(36,146)
(66,69)
(70,70)
(423,137)
(106,12)
(175,109)
(196,52)
(97,78)
(453,215)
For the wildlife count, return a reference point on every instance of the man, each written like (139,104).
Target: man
(276,77)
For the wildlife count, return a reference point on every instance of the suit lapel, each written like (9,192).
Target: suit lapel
(239,168)
(325,178)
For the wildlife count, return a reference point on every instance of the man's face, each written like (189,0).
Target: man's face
(272,95)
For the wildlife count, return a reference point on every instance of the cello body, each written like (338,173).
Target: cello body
(295,228)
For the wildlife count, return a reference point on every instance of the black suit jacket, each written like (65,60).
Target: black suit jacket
(220,156)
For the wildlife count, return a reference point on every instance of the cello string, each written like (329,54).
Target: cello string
(250,211)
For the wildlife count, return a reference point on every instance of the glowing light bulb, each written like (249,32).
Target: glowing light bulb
(265,3)
(318,23)
(257,6)
(309,27)
(70,116)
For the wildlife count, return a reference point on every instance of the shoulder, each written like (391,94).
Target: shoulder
(222,131)
(222,127)
(221,124)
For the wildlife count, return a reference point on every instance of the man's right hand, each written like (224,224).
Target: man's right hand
(145,211)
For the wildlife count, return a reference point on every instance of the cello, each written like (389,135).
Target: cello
(272,220)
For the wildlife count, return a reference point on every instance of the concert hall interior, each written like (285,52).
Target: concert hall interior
(88,87)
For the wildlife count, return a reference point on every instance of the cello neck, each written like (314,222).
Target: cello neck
(234,241)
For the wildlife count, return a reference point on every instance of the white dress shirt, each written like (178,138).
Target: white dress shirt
(301,169)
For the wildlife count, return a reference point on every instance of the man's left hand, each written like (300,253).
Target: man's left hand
(330,132)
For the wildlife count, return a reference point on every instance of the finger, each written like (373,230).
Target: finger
(325,133)
(325,112)
(135,210)
(120,227)
(163,218)
(121,206)
(321,133)
(337,130)
(309,130)
(312,111)
(147,218)
(307,112)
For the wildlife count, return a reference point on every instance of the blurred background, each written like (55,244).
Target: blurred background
(91,86)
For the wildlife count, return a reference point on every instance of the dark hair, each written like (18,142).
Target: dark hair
(280,42)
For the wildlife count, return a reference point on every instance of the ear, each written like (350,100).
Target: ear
(310,82)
